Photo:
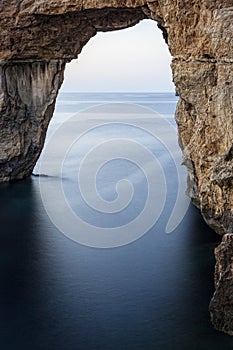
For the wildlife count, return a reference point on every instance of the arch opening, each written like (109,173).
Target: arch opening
(136,59)
(108,104)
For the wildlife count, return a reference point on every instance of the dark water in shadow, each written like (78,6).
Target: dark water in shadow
(57,294)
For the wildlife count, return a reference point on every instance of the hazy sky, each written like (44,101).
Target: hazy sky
(133,59)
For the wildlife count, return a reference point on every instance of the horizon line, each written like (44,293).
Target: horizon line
(118,92)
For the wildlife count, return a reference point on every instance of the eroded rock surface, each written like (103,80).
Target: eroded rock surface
(221,306)
(37,39)
(27,101)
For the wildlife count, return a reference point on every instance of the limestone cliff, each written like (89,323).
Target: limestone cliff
(37,39)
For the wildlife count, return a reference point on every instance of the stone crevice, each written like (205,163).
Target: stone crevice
(202,59)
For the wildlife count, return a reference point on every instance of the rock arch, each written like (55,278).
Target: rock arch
(39,37)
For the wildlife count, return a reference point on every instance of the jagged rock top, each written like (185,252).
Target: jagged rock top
(62,6)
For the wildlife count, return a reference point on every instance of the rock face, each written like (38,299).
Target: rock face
(38,38)
(27,100)
(221,305)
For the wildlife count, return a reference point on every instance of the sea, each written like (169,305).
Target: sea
(100,248)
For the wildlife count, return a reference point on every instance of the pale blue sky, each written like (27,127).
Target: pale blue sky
(134,59)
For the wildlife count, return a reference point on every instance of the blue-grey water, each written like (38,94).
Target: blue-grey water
(150,294)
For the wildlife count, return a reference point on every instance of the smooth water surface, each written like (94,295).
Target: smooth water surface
(150,294)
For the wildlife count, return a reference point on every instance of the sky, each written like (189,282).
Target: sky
(135,59)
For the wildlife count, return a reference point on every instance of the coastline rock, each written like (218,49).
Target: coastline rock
(221,306)
(39,37)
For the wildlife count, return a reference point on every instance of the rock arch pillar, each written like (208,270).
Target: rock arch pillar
(27,101)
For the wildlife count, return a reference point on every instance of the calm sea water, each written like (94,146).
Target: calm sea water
(150,294)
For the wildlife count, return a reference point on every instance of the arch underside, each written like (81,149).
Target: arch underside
(38,38)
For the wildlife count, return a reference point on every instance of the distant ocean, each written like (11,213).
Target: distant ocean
(152,293)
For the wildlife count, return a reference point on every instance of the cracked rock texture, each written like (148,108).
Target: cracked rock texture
(38,37)
(221,305)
